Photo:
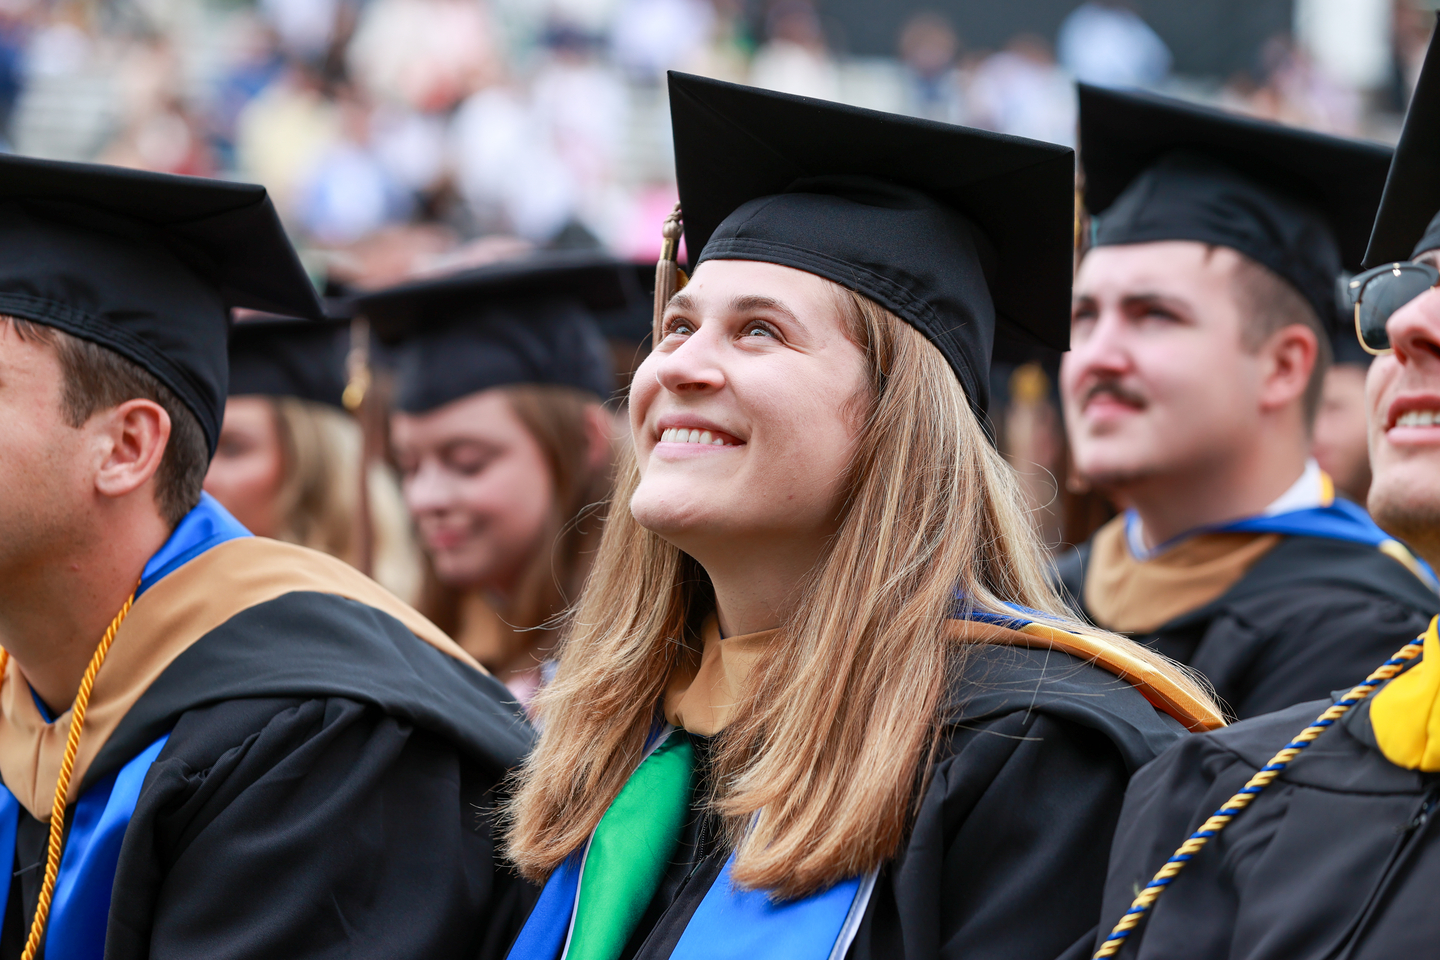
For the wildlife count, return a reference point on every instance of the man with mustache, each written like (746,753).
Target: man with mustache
(1198,355)
(1337,856)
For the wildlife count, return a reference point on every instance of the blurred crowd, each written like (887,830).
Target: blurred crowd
(424,123)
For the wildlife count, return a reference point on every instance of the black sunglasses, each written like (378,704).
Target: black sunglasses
(1376,295)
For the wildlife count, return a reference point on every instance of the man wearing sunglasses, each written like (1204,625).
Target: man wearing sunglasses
(1199,340)
(1339,855)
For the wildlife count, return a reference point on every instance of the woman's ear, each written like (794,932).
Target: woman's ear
(599,437)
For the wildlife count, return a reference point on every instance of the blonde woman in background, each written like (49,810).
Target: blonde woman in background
(287,465)
(503,444)
(818,699)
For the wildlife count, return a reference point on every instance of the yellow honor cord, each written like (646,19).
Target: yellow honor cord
(1406,714)
(62,785)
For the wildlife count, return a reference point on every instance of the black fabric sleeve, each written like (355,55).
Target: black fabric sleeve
(311,828)
(1007,857)
(1302,645)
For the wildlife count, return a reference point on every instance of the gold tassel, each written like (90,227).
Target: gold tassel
(669,278)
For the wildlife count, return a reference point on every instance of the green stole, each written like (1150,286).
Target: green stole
(630,849)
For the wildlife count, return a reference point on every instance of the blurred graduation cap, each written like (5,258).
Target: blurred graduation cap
(288,357)
(1408,222)
(146,265)
(964,234)
(1296,201)
(530,320)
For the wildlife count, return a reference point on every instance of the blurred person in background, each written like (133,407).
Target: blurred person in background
(795,57)
(1022,91)
(1106,44)
(1341,444)
(930,51)
(503,444)
(1199,341)
(289,461)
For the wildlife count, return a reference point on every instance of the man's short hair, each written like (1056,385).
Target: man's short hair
(96,379)
(1268,304)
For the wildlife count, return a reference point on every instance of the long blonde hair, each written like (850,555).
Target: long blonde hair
(836,736)
(319,495)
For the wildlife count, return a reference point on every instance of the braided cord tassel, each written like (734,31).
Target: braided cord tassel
(1232,808)
(67,768)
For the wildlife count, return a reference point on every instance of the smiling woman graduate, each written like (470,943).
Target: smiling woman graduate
(818,699)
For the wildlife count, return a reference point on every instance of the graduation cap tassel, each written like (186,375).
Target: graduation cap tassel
(669,278)
(361,404)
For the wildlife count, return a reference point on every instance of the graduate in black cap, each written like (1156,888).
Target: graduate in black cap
(1201,324)
(503,443)
(1333,851)
(288,462)
(211,743)
(818,698)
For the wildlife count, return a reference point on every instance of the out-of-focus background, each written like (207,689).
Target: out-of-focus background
(397,135)
(447,120)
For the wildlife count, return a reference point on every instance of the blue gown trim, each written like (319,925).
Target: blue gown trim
(208,525)
(1338,520)
(80,908)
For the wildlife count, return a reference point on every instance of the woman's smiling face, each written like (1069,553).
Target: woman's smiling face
(745,416)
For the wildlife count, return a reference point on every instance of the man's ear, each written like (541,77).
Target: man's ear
(1288,358)
(599,435)
(133,437)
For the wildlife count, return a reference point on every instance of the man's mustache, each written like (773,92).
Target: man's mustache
(1114,389)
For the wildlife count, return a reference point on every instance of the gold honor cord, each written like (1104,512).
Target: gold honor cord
(67,767)
(1142,904)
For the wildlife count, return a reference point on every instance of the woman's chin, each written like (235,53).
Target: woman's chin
(674,518)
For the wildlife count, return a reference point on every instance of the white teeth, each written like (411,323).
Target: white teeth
(686,435)
(1418,418)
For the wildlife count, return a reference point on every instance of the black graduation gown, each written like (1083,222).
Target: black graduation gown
(1007,854)
(327,789)
(1313,615)
(1338,859)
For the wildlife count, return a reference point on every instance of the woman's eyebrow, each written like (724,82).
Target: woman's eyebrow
(754,302)
(682,301)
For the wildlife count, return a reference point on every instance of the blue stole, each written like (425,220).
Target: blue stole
(729,924)
(80,908)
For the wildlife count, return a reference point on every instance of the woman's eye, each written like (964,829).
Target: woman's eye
(681,327)
(758,330)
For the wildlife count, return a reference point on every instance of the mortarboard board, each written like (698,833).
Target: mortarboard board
(286,357)
(1296,201)
(530,320)
(956,231)
(146,265)
(1408,222)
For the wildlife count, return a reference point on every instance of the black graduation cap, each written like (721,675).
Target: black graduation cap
(957,231)
(530,320)
(145,264)
(288,357)
(1408,222)
(1296,201)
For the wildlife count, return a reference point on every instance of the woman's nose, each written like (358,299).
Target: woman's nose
(694,366)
